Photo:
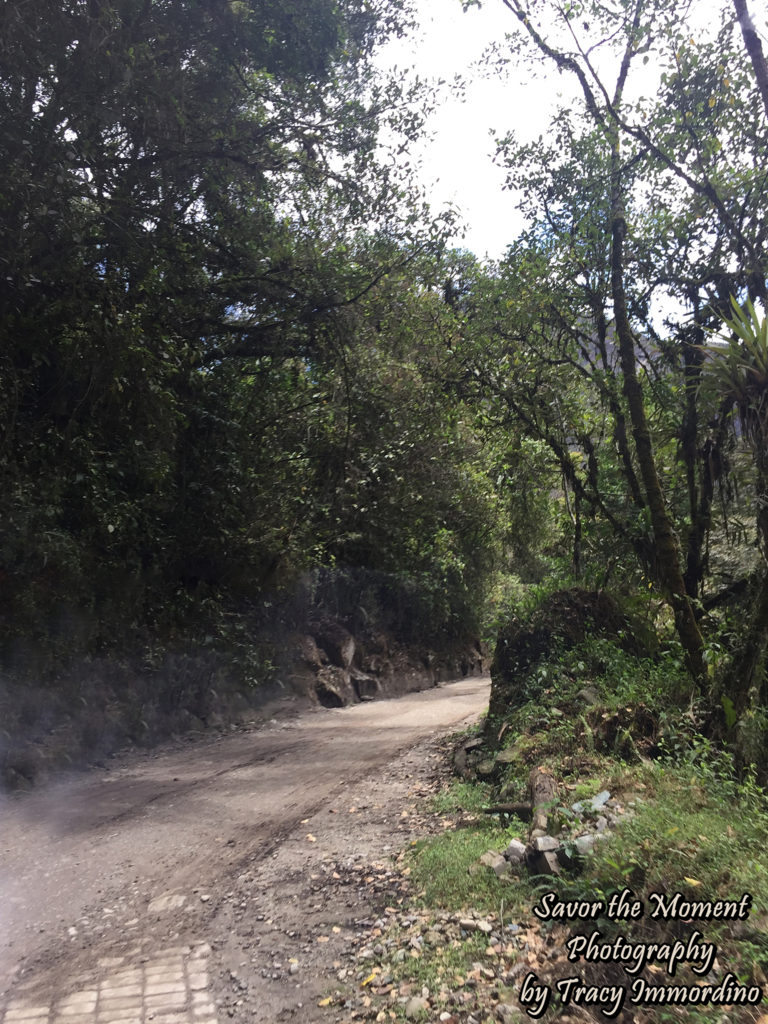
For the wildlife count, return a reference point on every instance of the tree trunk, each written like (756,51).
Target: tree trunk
(746,675)
(754,48)
(668,556)
(744,679)
(543,795)
(699,468)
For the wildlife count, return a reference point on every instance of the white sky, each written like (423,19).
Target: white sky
(457,161)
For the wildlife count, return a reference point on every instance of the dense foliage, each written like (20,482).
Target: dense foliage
(236,355)
(647,227)
(207,386)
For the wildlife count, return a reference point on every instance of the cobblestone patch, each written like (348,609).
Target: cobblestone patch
(170,987)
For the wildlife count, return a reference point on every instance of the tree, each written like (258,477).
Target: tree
(738,376)
(182,184)
(656,163)
(754,48)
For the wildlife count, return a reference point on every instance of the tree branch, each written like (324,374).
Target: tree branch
(754,48)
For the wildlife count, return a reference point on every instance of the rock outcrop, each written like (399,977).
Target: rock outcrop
(331,666)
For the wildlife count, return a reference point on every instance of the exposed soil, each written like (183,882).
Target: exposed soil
(235,841)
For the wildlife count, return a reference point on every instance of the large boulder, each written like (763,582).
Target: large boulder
(309,653)
(377,665)
(367,687)
(333,687)
(336,641)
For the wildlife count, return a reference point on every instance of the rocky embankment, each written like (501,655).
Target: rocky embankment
(329,665)
(98,706)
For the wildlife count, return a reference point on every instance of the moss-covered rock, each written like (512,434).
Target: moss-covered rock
(559,623)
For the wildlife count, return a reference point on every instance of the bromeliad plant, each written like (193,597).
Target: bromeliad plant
(737,375)
(739,372)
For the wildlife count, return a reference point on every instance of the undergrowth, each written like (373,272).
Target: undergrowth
(441,868)
(603,719)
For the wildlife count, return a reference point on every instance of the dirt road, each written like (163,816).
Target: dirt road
(195,884)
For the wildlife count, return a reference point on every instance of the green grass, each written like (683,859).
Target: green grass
(584,789)
(441,964)
(470,797)
(696,831)
(696,824)
(440,868)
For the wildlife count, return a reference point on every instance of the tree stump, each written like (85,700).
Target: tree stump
(543,794)
(541,856)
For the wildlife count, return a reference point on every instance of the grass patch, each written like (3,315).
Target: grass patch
(470,797)
(440,868)
(697,831)
(440,964)
(716,835)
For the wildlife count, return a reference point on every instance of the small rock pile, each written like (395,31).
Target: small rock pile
(586,823)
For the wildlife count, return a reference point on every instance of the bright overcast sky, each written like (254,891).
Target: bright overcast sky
(458,160)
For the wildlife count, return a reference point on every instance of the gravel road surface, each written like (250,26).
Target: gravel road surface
(194,884)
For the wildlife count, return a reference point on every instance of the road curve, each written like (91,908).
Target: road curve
(83,861)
